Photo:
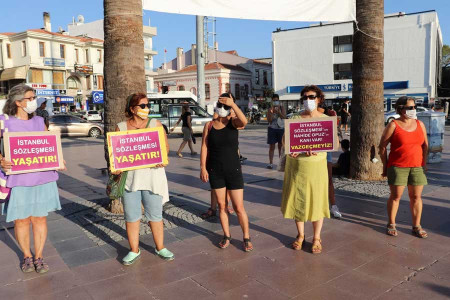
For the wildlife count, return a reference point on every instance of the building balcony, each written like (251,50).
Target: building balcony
(149,31)
(150,51)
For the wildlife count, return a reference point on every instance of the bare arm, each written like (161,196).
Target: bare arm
(189,122)
(424,146)
(270,115)
(240,121)
(204,176)
(282,112)
(384,142)
(176,124)
(159,124)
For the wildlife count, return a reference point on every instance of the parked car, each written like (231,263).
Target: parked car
(93,115)
(392,115)
(167,109)
(69,125)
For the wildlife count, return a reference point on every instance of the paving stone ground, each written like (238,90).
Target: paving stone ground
(86,243)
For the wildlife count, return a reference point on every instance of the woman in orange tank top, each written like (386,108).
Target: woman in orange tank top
(406,164)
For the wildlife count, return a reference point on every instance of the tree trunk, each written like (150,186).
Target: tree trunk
(367,116)
(124,62)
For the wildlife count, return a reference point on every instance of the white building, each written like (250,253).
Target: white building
(95,30)
(65,69)
(248,79)
(322,55)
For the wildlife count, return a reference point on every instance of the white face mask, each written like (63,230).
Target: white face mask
(310,105)
(222,112)
(31,107)
(411,114)
(143,113)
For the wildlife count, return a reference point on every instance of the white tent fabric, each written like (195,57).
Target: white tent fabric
(276,10)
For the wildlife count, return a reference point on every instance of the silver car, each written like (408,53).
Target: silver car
(392,115)
(69,125)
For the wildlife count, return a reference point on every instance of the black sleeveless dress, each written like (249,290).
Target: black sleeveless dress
(223,163)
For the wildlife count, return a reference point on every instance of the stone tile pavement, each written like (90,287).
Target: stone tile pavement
(86,243)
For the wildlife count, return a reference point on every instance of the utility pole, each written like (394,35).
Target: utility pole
(200,62)
(367,121)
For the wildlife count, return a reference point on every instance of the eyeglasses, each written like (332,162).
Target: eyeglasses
(143,105)
(220,105)
(30,98)
(408,107)
(310,97)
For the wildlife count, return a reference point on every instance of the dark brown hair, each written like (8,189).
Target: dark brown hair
(315,89)
(228,95)
(132,101)
(401,102)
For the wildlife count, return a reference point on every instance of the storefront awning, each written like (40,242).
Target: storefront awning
(14,73)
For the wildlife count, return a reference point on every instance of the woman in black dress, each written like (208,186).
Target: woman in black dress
(220,165)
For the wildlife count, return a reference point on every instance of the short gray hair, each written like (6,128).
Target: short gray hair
(15,94)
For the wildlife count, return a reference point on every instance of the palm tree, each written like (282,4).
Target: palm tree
(367,104)
(124,61)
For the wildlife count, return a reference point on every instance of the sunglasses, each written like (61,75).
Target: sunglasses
(220,105)
(143,105)
(310,97)
(408,107)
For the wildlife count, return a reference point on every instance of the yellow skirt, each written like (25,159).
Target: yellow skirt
(305,188)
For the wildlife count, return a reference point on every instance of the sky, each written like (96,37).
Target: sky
(248,37)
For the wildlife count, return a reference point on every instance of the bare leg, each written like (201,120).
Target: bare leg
(221,196)
(191,146)
(331,196)
(300,228)
(317,226)
(133,235)
(237,199)
(22,232)
(394,201)
(158,234)
(213,201)
(181,147)
(271,152)
(39,234)
(280,146)
(415,203)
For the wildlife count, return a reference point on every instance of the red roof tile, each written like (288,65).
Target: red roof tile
(7,33)
(234,52)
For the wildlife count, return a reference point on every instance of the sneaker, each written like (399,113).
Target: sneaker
(335,212)
(270,166)
(165,254)
(27,266)
(41,266)
(131,258)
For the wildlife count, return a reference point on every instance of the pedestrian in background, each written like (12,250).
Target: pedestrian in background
(186,128)
(147,187)
(345,114)
(220,165)
(275,131)
(305,186)
(32,195)
(41,111)
(406,164)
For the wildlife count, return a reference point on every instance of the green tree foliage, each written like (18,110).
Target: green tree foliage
(446,56)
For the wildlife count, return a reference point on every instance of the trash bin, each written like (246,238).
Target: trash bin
(435,124)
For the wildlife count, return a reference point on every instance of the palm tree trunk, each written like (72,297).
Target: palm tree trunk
(124,61)
(367,121)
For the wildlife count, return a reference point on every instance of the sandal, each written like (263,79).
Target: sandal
(27,265)
(247,245)
(391,230)
(179,155)
(225,242)
(208,214)
(316,246)
(230,210)
(419,232)
(41,266)
(298,243)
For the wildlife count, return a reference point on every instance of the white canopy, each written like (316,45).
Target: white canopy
(277,10)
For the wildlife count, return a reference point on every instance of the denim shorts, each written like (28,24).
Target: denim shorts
(329,157)
(132,206)
(275,135)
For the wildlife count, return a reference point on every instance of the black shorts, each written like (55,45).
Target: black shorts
(344,120)
(231,179)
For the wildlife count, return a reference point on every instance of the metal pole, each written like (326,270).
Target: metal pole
(200,62)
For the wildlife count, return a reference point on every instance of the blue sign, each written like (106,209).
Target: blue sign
(64,99)
(97,97)
(47,92)
(54,62)
(344,87)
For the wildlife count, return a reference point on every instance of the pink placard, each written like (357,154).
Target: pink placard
(317,135)
(135,150)
(33,153)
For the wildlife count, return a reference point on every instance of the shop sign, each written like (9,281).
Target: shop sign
(54,62)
